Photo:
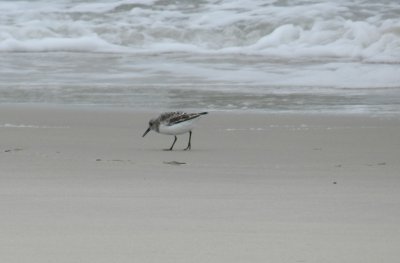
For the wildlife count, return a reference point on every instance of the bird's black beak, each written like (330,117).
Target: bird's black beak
(144,134)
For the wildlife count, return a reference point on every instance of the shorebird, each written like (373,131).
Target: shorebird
(174,123)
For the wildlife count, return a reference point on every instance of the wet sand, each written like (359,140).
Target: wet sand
(82,185)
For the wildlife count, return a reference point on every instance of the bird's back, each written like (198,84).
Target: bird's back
(174,123)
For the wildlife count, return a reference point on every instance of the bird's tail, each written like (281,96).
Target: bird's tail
(202,113)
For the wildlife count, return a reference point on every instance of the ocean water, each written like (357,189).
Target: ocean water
(241,55)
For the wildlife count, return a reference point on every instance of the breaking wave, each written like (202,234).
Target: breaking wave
(355,30)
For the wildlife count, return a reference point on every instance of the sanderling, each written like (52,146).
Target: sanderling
(174,123)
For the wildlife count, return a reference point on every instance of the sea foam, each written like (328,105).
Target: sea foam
(273,55)
(314,30)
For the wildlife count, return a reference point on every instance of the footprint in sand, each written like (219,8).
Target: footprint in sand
(174,163)
(13,150)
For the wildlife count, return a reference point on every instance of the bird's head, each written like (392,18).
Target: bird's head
(151,127)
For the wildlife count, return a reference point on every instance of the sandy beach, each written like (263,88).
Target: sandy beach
(82,185)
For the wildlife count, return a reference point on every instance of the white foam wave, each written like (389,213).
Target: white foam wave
(9,125)
(49,44)
(273,28)
(107,6)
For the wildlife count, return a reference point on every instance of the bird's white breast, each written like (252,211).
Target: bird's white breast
(178,128)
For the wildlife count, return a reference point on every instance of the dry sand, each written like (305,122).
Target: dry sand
(81,185)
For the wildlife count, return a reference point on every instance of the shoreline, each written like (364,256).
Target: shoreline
(83,185)
(120,108)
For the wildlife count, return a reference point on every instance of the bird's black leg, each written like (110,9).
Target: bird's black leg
(172,146)
(190,138)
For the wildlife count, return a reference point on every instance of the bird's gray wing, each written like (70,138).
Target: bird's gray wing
(182,117)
